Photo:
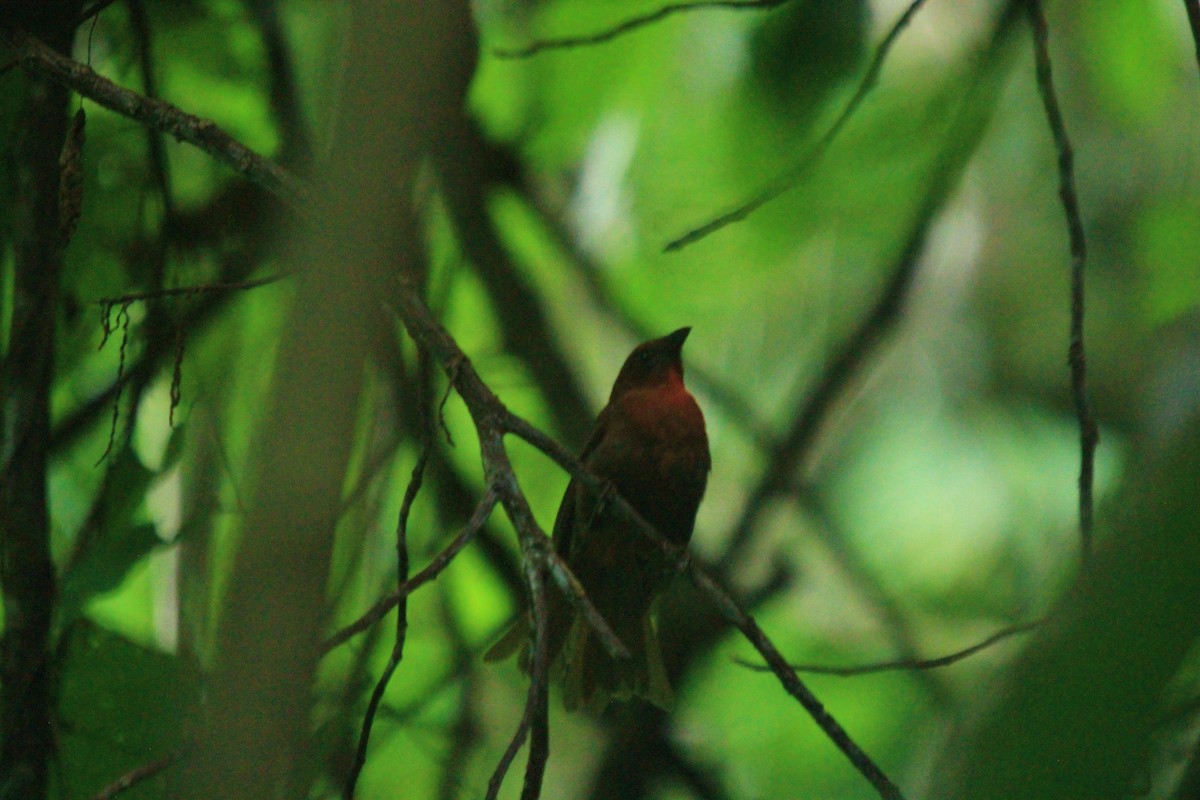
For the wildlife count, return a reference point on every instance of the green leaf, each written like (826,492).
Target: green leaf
(116,543)
(120,706)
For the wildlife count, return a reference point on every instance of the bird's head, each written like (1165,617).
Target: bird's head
(658,361)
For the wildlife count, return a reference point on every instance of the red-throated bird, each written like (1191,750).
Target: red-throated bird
(650,445)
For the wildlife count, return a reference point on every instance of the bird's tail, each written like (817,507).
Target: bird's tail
(591,678)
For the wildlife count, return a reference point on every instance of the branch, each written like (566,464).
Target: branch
(538,708)
(493,420)
(1089,435)
(136,776)
(27,571)
(402,569)
(536,715)
(791,682)
(188,291)
(482,511)
(902,663)
(889,610)
(630,25)
(793,176)
(39,59)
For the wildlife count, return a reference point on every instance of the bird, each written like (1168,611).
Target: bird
(650,445)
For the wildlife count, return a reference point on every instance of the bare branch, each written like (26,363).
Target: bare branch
(416,480)
(161,116)
(482,511)
(630,25)
(27,570)
(1089,435)
(902,663)
(792,684)
(92,10)
(510,753)
(793,176)
(538,710)
(136,776)
(536,715)
(737,409)
(188,291)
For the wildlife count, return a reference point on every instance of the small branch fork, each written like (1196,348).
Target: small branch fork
(1089,435)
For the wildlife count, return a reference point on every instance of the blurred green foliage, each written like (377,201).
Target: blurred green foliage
(942,486)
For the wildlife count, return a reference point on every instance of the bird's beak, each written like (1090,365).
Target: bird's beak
(677,338)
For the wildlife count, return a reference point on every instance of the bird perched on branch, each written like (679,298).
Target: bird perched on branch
(649,444)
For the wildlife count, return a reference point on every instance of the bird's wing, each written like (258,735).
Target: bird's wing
(564,522)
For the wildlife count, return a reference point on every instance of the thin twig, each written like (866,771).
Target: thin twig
(536,715)
(630,25)
(1089,435)
(791,683)
(891,613)
(186,291)
(793,176)
(92,10)
(539,681)
(514,746)
(483,510)
(161,116)
(465,731)
(136,776)
(901,663)
(415,481)
(364,736)
(737,409)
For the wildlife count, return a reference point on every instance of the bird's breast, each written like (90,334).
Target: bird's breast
(655,450)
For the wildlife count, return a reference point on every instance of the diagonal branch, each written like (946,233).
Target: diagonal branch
(629,26)
(794,175)
(1089,435)
(482,511)
(137,775)
(158,115)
